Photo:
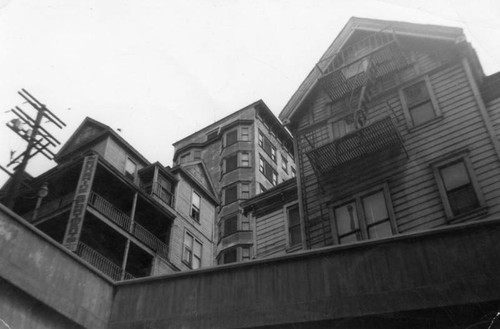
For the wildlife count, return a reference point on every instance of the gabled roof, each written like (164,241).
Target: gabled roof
(89,132)
(368,25)
(197,173)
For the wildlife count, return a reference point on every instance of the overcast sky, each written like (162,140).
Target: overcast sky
(160,70)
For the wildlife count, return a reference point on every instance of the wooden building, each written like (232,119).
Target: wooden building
(393,134)
(245,153)
(124,215)
(275,217)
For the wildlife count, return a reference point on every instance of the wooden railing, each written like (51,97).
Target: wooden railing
(100,262)
(119,217)
(51,206)
(150,240)
(164,195)
(109,210)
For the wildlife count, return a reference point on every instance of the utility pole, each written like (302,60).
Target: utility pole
(38,138)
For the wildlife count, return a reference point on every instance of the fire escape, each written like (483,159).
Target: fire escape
(351,74)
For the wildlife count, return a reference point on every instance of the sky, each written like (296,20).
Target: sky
(161,70)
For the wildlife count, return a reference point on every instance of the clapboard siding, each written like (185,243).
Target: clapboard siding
(271,239)
(494,112)
(413,189)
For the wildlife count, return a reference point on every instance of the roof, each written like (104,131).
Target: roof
(369,25)
(208,190)
(102,130)
(226,123)
(490,89)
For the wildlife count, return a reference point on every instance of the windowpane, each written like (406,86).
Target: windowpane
(231,162)
(375,208)
(244,134)
(295,236)
(293,216)
(245,160)
(196,263)
(245,191)
(231,194)
(188,241)
(230,256)
(422,113)
(380,230)
(196,200)
(463,199)
(245,253)
(416,94)
(130,168)
(231,137)
(197,249)
(356,236)
(455,176)
(230,225)
(346,218)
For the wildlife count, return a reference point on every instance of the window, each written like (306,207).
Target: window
(268,171)
(245,191)
(231,137)
(245,223)
(294,231)
(230,256)
(418,103)
(245,134)
(458,186)
(197,155)
(284,163)
(130,168)
(293,171)
(213,134)
(231,162)
(267,146)
(192,251)
(342,127)
(262,188)
(245,159)
(245,253)
(164,190)
(230,194)
(230,225)
(365,216)
(195,206)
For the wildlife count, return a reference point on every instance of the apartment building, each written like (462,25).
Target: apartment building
(126,216)
(245,153)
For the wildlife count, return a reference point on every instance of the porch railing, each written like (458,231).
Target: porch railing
(151,240)
(163,194)
(51,206)
(100,262)
(109,210)
(124,221)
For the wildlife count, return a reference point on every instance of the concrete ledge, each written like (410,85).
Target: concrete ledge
(48,273)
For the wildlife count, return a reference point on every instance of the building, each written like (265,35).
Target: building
(393,134)
(398,208)
(245,153)
(126,216)
(275,217)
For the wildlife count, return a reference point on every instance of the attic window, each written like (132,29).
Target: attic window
(130,169)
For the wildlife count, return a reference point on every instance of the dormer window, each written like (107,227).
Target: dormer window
(130,169)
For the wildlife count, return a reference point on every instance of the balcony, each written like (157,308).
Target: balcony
(159,191)
(51,207)
(378,136)
(101,263)
(124,221)
(372,57)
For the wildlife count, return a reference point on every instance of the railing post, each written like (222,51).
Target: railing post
(127,245)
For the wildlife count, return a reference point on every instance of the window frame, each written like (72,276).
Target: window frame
(357,199)
(273,179)
(443,193)
(191,250)
(127,173)
(192,207)
(225,160)
(241,160)
(288,227)
(263,142)
(226,188)
(432,99)
(235,131)
(245,137)
(284,163)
